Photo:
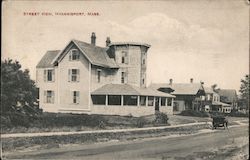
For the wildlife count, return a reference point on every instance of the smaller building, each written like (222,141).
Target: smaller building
(229,96)
(189,96)
(212,102)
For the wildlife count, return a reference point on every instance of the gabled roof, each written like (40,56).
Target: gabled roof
(208,90)
(46,61)
(229,94)
(180,88)
(95,54)
(126,89)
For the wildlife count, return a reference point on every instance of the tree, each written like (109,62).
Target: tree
(18,91)
(244,92)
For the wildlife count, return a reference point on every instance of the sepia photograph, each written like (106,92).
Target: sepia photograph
(116,79)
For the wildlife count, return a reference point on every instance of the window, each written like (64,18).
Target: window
(142,100)
(49,75)
(130,100)
(150,101)
(48,96)
(124,57)
(143,61)
(114,100)
(169,102)
(98,76)
(99,99)
(76,97)
(163,101)
(74,75)
(123,77)
(143,81)
(74,55)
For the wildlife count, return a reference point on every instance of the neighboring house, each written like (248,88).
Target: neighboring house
(85,78)
(212,102)
(188,95)
(229,96)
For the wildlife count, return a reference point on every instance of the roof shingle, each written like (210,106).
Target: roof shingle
(97,55)
(229,94)
(46,61)
(126,89)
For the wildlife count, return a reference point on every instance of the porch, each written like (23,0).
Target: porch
(124,99)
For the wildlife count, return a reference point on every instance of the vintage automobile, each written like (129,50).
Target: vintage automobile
(219,121)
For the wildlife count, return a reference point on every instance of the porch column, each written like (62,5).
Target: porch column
(172,102)
(146,100)
(159,101)
(122,100)
(154,102)
(138,100)
(166,103)
(106,101)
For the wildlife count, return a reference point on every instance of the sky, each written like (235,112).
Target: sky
(205,40)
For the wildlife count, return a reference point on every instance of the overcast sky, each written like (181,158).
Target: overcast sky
(206,40)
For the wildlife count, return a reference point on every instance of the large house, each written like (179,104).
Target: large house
(229,96)
(213,102)
(85,78)
(189,96)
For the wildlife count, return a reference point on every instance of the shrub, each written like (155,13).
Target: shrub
(140,122)
(238,114)
(161,118)
(102,125)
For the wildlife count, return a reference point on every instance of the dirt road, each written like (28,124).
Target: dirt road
(218,144)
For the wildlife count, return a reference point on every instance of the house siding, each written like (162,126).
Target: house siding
(65,87)
(44,86)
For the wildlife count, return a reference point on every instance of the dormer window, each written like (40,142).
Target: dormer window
(74,55)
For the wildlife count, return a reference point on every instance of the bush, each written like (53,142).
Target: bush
(102,125)
(238,114)
(161,118)
(194,113)
(140,122)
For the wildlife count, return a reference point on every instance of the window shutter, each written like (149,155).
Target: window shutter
(45,75)
(72,96)
(78,75)
(45,97)
(52,96)
(78,97)
(53,75)
(69,75)
(70,55)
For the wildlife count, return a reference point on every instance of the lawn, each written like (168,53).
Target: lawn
(66,122)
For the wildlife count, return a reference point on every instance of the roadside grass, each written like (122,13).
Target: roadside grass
(67,122)
(11,145)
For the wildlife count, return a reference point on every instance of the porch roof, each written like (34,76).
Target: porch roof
(126,89)
(220,104)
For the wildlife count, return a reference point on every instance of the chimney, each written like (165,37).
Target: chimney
(108,41)
(93,38)
(191,80)
(170,81)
